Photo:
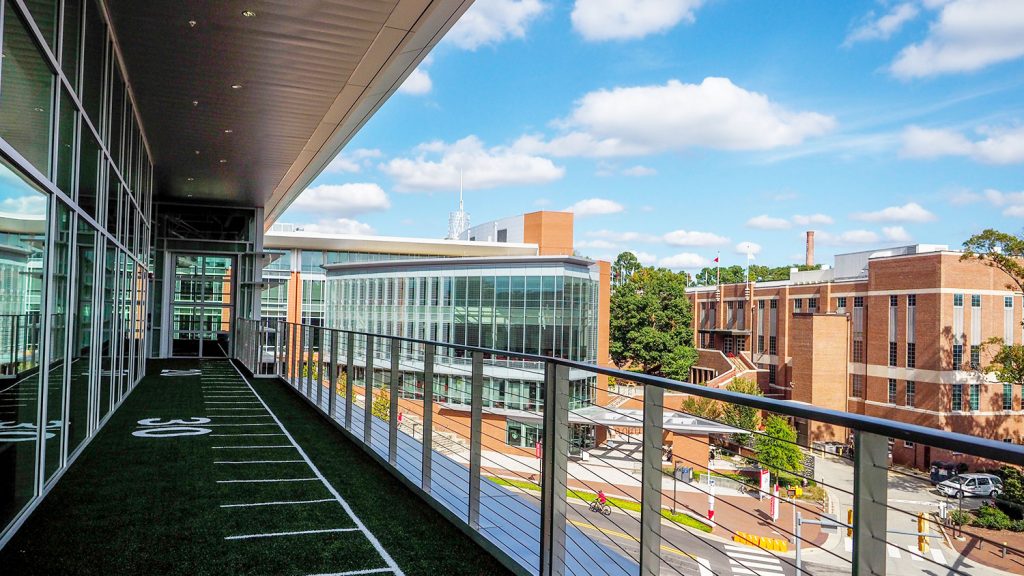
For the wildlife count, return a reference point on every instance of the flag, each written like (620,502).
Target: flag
(716,259)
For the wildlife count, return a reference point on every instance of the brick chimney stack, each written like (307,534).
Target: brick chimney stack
(809,253)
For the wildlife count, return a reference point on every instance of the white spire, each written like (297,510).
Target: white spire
(458,222)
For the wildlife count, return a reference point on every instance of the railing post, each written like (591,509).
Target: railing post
(650,494)
(309,339)
(368,393)
(393,408)
(554,469)
(332,376)
(476,402)
(350,377)
(428,417)
(870,484)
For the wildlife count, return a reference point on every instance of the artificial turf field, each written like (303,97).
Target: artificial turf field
(263,492)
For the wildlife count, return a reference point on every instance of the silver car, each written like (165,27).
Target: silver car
(966,485)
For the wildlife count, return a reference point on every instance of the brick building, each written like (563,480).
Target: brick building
(896,333)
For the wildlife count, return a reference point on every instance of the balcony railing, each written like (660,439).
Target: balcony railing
(519,470)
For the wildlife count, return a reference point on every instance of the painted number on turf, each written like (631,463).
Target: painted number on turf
(160,428)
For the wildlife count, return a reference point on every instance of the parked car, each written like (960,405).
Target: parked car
(966,485)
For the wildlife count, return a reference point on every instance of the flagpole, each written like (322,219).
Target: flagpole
(718,269)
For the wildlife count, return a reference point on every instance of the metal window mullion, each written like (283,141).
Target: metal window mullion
(368,392)
(393,408)
(332,376)
(320,368)
(650,495)
(554,470)
(476,400)
(428,417)
(870,484)
(350,377)
(43,394)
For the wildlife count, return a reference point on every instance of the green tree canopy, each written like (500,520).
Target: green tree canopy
(736,274)
(624,266)
(777,449)
(999,250)
(743,417)
(652,324)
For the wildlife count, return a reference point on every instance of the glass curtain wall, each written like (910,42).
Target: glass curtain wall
(75,197)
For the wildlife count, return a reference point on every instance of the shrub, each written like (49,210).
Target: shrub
(960,517)
(991,517)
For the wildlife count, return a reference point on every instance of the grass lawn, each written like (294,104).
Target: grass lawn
(146,505)
(684,519)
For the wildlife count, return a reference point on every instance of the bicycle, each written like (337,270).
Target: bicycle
(597,506)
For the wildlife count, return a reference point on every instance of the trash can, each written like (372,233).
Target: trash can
(684,473)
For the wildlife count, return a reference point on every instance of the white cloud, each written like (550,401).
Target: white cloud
(693,238)
(624,236)
(883,27)
(29,204)
(847,238)
(964,197)
(639,170)
(596,244)
(618,20)
(352,161)
(645,258)
(1012,203)
(339,226)
(996,145)
(896,233)
(644,120)
(542,202)
(489,22)
(909,212)
(766,222)
(748,248)
(438,164)
(812,219)
(595,207)
(683,260)
(968,35)
(417,84)
(342,199)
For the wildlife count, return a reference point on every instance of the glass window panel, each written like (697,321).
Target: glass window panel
(66,145)
(72,31)
(89,173)
(58,320)
(44,13)
(113,195)
(117,105)
(81,338)
(23,235)
(92,72)
(26,92)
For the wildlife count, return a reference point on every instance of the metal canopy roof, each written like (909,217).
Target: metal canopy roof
(247,109)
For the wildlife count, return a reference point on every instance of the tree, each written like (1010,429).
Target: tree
(381,407)
(624,267)
(738,416)
(652,324)
(999,250)
(702,407)
(777,449)
(341,386)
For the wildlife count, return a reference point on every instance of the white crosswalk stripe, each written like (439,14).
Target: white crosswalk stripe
(749,561)
(938,557)
(893,551)
(914,554)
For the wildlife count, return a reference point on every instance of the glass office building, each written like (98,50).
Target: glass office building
(75,198)
(535,305)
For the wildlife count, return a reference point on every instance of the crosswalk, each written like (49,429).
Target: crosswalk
(746,561)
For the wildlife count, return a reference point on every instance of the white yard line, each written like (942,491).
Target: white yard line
(356,572)
(253,434)
(273,534)
(267,480)
(277,503)
(258,462)
(247,447)
(348,509)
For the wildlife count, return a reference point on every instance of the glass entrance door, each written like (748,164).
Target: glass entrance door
(201,305)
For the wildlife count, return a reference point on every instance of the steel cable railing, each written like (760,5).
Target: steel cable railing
(530,523)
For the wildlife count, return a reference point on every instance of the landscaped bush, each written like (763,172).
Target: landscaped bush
(991,517)
(960,517)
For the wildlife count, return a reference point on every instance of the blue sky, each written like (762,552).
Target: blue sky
(680,129)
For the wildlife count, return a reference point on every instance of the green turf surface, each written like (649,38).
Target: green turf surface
(132,505)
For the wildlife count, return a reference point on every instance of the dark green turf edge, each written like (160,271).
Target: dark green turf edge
(129,506)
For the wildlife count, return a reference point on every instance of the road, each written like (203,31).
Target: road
(682,552)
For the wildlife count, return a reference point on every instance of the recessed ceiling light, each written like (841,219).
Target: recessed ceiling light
(190,178)
(38,109)
(189,195)
(195,102)
(192,23)
(236,86)
(228,131)
(248,13)
(223,161)
(197,152)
